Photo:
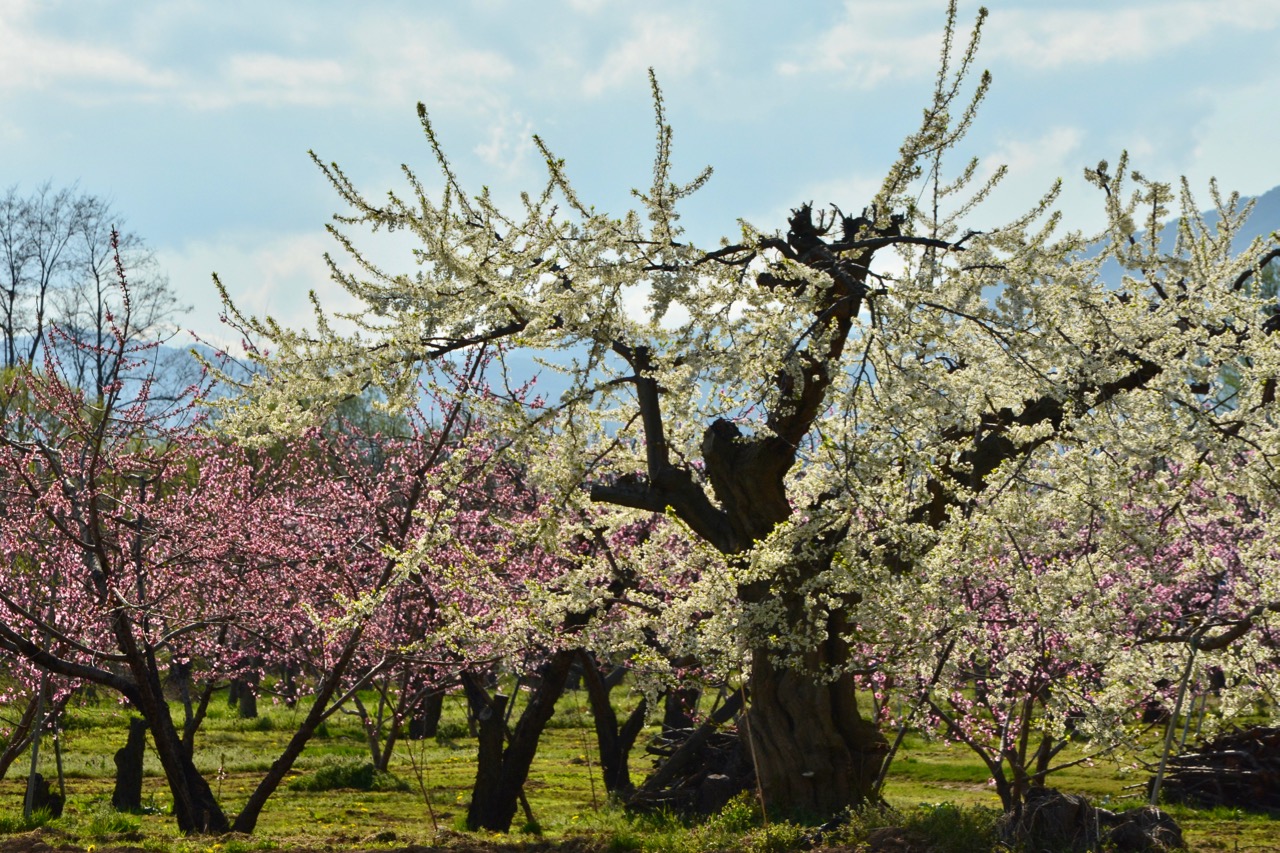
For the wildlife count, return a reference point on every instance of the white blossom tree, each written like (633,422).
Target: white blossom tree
(824,406)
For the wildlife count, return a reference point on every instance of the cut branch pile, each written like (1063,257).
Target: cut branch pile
(698,772)
(1239,769)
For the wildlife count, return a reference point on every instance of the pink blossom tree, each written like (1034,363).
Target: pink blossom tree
(1051,631)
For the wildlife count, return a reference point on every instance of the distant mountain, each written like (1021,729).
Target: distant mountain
(1264,220)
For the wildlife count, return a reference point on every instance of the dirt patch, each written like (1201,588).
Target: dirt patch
(37,842)
(45,841)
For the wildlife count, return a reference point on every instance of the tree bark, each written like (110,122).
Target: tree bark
(194,805)
(426,718)
(247,698)
(615,742)
(815,754)
(501,773)
(485,810)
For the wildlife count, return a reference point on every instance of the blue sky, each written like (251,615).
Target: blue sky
(194,118)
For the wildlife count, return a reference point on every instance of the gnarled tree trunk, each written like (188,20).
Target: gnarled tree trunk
(815,754)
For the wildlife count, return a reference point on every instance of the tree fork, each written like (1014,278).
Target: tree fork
(501,772)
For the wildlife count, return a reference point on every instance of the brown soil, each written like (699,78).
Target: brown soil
(46,841)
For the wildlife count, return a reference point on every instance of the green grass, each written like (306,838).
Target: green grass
(332,800)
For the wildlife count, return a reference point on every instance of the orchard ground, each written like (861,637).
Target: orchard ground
(423,806)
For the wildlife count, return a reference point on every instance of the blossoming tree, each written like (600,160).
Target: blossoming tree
(851,397)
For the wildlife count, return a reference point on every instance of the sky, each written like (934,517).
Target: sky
(194,117)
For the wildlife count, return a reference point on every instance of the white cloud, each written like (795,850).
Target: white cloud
(654,41)
(1044,156)
(271,78)
(266,275)
(1235,141)
(438,67)
(31,60)
(1073,36)
(377,65)
(509,147)
(371,59)
(875,42)
(1034,163)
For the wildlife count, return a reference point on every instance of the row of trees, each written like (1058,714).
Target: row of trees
(884,456)
(150,555)
(61,251)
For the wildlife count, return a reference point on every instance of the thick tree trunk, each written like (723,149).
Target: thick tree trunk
(814,752)
(426,718)
(289,685)
(247,698)
(487,809)
(372,731)
(194,804)
(501,773)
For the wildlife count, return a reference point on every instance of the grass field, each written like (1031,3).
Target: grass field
(565,792)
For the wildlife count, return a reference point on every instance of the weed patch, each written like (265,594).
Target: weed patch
(10,825)
(359,776)
(108,823)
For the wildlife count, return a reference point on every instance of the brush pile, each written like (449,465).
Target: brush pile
(1239,769)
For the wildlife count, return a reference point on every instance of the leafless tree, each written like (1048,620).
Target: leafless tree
(57,269)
